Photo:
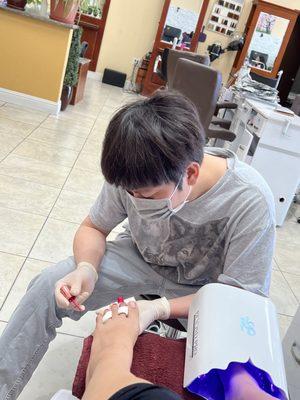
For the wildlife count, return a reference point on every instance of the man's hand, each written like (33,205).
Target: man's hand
(81,283)
(150,311)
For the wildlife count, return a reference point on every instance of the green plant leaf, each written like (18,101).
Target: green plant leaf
(71,75)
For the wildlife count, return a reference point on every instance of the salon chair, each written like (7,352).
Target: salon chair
(201,84)
(258,59)
(83,49)
(223,122)
(272,82)
(170,58)
(170,33)
(175,55)
(162,70)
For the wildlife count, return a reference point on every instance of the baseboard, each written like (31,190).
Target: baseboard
(97,76)
(25,100)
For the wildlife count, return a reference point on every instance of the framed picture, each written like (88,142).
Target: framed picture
(265,23)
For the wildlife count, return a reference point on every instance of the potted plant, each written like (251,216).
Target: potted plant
(91,7)
(64,10)
(71,74)
(39,7)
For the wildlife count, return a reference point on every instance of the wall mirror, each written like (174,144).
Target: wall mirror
(181,21)
(267,34)
(180,25)
(266,41)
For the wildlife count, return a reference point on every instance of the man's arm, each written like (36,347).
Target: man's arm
(106,213)
(88,247)
(179,307)
(162,309)
(247,265)
(248,261)
(89,243)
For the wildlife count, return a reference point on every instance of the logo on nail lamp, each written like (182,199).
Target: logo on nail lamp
(247,326)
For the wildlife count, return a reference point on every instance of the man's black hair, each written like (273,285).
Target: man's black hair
(151,141)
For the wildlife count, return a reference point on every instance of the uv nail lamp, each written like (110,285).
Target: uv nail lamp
(227,324)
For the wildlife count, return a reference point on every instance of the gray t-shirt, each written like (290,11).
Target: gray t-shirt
(227,235)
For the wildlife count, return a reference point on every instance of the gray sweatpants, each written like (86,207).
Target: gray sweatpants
(34,322)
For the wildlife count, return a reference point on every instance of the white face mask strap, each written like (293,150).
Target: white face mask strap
(179,207)
(186,199)
(176,187)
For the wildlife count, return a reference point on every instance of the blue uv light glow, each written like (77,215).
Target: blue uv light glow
(210,385)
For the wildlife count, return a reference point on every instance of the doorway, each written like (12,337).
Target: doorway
(289,85)
(93,29)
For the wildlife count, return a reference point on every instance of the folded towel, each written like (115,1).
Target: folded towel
(158,360)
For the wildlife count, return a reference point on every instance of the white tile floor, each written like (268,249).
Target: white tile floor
(49,177)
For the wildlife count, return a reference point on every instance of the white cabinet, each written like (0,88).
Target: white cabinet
(270,142)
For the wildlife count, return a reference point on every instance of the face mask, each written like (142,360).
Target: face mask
(157,208)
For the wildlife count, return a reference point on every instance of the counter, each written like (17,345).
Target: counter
(34,52)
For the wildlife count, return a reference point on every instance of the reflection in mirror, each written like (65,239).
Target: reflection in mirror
(266,41)
(93,8)
(181,21)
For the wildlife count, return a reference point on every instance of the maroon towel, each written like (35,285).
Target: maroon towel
(156,359)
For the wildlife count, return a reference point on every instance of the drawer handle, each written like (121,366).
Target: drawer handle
(295,350)
(286,127)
